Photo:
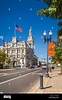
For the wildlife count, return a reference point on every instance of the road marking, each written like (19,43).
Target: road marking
(3,74)
(16,78)
(10,73)
(13,73)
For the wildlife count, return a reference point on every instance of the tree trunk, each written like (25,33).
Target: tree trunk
(61,68)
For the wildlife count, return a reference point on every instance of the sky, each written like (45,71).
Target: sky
(24,14)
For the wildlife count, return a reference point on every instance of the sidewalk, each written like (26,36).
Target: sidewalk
(52,84)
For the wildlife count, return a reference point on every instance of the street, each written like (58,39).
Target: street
(20,80)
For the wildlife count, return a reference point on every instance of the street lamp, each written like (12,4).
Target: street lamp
(46,39)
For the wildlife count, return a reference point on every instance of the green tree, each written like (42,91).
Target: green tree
(2,58)
(54,11)
(59,33)
(58,56)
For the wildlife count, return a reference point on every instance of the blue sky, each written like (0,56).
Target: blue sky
(24,13)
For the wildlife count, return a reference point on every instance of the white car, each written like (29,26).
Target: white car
(44,66)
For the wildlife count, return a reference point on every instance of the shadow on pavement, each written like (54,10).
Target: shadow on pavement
(47,87)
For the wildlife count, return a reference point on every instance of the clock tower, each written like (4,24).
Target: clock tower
(30,40)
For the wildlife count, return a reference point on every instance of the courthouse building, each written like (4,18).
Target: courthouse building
(21,52)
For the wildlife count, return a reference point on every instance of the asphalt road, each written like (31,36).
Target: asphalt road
(19,80)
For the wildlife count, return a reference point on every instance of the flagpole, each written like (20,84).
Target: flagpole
(15,30)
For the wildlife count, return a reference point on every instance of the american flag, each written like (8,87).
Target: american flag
(18,28)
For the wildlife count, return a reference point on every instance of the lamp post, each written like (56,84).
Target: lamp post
(46,39)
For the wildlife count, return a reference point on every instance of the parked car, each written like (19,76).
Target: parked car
(17,66)
(44,66)
(52,66)
(30,67)
(6,66)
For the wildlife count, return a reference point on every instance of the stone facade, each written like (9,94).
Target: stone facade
(21,52)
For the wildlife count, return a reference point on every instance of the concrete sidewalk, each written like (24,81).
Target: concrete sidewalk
(52,84)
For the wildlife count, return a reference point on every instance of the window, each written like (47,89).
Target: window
(13,51)
(8,51)
(22,50)
(18,50)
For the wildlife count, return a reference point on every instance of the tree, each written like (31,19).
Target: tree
(2,58)
(59,33)
(54,11)
(58,56)
(8,60)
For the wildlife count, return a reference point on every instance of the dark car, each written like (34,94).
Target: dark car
(30,67)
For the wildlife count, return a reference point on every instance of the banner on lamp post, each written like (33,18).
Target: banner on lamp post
(51,49)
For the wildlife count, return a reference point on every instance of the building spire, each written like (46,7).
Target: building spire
(30,31)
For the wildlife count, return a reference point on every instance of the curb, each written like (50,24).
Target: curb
(6,69)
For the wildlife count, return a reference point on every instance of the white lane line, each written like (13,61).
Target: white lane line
(14,73)
(11,73)
(13,79)
(16,78)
